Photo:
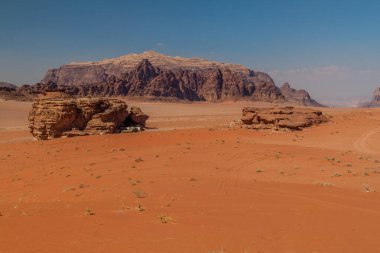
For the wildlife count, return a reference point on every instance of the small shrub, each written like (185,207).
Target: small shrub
(139,159)
(165,219)
(89,212)
(140,194)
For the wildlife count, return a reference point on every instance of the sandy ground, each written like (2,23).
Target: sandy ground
(195,187)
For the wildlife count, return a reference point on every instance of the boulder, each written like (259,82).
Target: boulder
(279,118)
(53,118)
(137,116)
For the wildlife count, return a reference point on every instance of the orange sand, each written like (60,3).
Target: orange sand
(219,190)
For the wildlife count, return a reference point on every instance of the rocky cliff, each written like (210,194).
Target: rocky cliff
(300,97)
(152,74)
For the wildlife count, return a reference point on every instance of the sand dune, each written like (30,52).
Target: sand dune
(196,187)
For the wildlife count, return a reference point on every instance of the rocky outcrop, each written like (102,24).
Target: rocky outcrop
(136,117)
(151,74)
(53,118)
(279,118)
(300,97)
(375,102)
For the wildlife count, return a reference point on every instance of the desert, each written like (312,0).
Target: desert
(192,183)
(189,126)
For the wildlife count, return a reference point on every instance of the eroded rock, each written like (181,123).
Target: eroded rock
(53,118)
(279,118)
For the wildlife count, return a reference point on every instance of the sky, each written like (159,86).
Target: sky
(329,47)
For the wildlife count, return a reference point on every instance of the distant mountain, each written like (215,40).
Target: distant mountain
(10,91)
(375,102)
(151,74)
(8,85)
(300,97)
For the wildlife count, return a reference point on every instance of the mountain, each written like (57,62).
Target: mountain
(375,102)
(10,91)
(8,85)
(300,97)
(152,74)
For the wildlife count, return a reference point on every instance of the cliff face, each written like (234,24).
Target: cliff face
(300,97)
(157,75)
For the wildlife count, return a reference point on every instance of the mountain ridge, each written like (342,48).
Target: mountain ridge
(151,74)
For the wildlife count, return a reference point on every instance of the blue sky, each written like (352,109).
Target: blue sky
(329,47)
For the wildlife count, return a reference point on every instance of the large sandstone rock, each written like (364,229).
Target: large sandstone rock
(151,74)
(52,118)
(136,117)
(279,118)
(300,97)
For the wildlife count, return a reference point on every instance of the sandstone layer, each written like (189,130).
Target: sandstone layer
(53,118)
(279,118)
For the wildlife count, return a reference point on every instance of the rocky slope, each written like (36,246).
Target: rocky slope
(157,75)
(300,97)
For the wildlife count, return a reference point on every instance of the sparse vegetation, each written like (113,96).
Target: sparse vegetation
(325,184)
(164,219)
(140,208)
(140,194)
(138,160)
(89,212)
(367,188)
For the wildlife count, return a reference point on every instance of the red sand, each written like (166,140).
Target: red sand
(219,190)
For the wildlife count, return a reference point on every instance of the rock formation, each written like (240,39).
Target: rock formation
(53,118)
(151,74)
(10,91)
(300,97)
(279,118)
(375,102)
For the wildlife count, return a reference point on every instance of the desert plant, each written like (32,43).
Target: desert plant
(164,219)
(89,212)
(139,194)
